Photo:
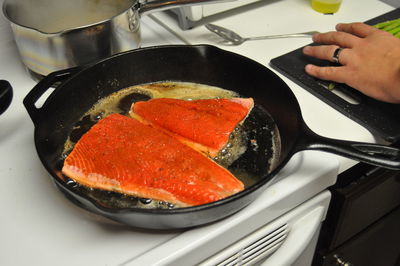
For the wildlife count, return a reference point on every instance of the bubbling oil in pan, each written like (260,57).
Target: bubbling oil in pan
(251,153)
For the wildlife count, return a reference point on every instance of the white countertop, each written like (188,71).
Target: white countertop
(287,16)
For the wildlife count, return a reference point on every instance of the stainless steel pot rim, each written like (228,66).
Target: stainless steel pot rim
(134,6)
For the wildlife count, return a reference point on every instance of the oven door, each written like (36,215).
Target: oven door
(288,240)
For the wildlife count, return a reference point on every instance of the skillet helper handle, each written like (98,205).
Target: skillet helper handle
(41,87)
(374,154)
(6,95)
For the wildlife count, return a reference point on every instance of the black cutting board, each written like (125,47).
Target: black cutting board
(382,119)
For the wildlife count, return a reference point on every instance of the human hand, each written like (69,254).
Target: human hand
(370,60)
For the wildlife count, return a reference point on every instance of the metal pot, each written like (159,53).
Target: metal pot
(54,35)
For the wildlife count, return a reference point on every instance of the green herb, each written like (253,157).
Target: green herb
(383,24)
(331,86)
(391,26)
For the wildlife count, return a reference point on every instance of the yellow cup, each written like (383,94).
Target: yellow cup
(326,6)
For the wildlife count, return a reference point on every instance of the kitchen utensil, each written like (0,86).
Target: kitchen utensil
(6,94)
(55,120)
(54,34)
(232,38)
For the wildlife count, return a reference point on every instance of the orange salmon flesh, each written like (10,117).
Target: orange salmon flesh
(205,125)
(124,155)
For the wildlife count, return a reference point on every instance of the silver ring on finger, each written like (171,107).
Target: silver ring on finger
(335,56)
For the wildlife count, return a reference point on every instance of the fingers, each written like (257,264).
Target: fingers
(347,34)
(342,39)
(358,29)
(326,52)
(337,74)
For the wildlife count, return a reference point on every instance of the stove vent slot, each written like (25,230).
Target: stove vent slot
(254,247)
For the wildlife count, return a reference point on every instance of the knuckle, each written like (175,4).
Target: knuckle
(356,25)
(339,37)
(325,72)
(329,71)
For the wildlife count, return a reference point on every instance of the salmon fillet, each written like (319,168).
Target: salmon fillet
(123,155)
(205,125)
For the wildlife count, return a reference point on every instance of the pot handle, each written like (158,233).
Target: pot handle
(159,5)
(41,87)
(375,154)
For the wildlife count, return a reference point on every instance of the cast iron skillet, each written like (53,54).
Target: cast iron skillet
(81,88)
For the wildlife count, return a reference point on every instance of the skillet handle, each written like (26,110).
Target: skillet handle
(41,87)
(375,154)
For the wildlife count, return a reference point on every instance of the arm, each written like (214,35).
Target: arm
(370,60)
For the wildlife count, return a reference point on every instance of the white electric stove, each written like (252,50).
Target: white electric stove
(40,227)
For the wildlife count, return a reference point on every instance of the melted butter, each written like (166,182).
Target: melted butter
(186,91)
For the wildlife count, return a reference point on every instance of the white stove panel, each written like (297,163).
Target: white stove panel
(283,241)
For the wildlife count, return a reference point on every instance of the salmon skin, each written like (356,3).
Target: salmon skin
(124,155)
(204,124)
